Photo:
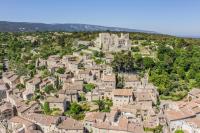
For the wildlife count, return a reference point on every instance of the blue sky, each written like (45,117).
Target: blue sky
(180,17)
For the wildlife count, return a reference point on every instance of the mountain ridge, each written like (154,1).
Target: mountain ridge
(7,26)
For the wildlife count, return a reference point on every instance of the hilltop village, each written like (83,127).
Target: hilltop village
(87,92)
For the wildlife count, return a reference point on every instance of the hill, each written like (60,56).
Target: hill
(6,26)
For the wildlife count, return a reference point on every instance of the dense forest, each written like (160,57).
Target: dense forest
(173,63)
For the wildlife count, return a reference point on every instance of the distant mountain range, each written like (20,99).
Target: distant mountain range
(6,26)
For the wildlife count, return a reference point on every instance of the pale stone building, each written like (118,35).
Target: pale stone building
(6,111)
(53,60)
(3,90)
(75,85)
(70,95)
(11,79)
(176,119)
(183,115)
(24,79)
(31,86)
(194,94)
(91,96)
(113,122)
(46,123)
(123,126)
(109,81)
(18,124)
(71,62)
(122,97)
(138,110)
(92,117)
(40,62)
(70,126)
(131,80)
(85,75)
(59,103)
(112,42)
(47,81)
(192,125)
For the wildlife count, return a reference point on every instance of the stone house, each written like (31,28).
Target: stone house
(109,81)
(70,126)
(11,79)
(143,96)
(138,110)
(91,96)
(76,85)
(194,94)
(192,125)
(3,90)
(122,126)
(18,124)
(13,99)
(85,75)
(151,122)
(53,60)
(70,95)
(106,92)
(59,103)
(64,77)
(112,42)
(44,122)
(21,106)
(131,80)
(114,122)
(92,117)
(176,118)
(31,86)
(96,71)
(88,63)
(109,58)
(47,81)
(24,79)
(71,62)
(6,111)
(107,70)
(40,62)
(122,96)
(183,115)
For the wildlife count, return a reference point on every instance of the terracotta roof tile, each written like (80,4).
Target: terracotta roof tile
(70,124)
(122,92)
(109,78)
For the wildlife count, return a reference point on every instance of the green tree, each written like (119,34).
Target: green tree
(76,111)
(61,70)
(46,108)
(48,89)
(179,131)
(135,49)
(148,62)
(120,82)
(89,87)
(61,40)
(123,62)
(98,54)
(104,105)
(100,104)
(20,86)
(75,108)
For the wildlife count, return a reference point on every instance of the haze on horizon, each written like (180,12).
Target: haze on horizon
(176,17)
